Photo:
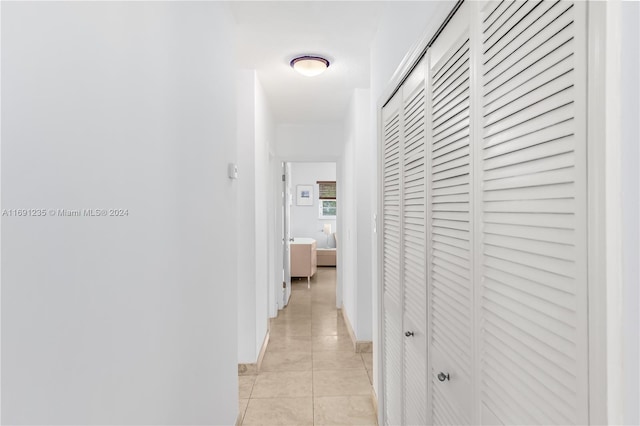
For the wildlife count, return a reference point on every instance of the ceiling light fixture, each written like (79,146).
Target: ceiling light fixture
(309,65)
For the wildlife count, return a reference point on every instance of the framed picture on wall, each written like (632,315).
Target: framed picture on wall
(304,195)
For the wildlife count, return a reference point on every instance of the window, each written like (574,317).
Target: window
(326,190)
(328,209)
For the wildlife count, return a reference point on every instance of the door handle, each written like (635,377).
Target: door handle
(409,333)
(443,376)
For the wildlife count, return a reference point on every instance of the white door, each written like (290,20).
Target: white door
(533,347)
(392,290)
(404,238)
(450,226)
(414,246)
(286,240)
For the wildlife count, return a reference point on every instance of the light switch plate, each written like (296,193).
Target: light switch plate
(232,171)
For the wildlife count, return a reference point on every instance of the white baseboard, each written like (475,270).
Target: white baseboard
(253,368)
(359,346)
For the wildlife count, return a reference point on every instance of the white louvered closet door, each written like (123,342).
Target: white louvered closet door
(533,351)
(486,203)
(414,244)
(392,158)
(450,223)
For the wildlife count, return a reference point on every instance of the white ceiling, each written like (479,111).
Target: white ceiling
(272,33)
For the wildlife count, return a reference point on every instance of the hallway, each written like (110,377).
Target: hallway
(310,374)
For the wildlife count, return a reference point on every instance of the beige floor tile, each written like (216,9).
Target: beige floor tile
(291,329)
(324,309)
(340,383)
(279,411)
(323,290)
(302,300)
(299,293)
(286,361)
(367,358)
(283,384)
(324,299)
(332,343)
(344,410)
(328,323)
(289,343)
(300,307)
(293,316)
(326,306)
(322,314)
(291,321)
(328,330)
(326,316)
(324,286)
(242,408)
(245,385)
(370,374)
(337,360)
(301,314)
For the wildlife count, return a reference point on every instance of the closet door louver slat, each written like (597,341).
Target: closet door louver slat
(533,347)
(392,174)
(450,235)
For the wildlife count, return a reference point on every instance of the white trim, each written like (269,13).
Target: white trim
(380,285)
(613,167)
(605,236)
(415,54)
(380,254)
(477,194)
(428,229)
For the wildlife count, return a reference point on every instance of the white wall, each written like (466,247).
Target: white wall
(118,320)
(305,221)
(401,25)
(357,189)
(309,142)
(265,136)
(631,207)
(256,132)
(246,217)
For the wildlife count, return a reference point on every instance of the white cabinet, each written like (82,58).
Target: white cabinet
(304,259)
(484,204)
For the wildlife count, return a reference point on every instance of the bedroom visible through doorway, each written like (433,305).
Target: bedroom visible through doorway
(310,220)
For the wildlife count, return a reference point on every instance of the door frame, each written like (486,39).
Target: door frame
(605,304)
(606,391)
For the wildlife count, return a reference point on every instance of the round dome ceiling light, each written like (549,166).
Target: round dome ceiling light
(309,66)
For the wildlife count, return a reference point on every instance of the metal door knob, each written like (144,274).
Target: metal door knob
(443,376)
(409,333)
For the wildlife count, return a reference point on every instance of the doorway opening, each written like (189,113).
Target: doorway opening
(310,220)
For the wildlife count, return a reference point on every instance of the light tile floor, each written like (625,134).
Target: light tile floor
(310,374)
